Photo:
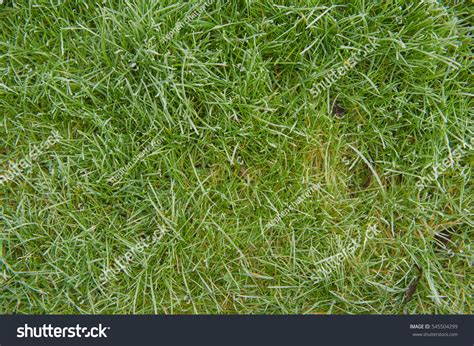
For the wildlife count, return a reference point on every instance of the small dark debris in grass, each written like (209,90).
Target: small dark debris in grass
(338,110)
(367,181)
(413,285)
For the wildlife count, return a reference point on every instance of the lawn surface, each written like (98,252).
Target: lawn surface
(196,170)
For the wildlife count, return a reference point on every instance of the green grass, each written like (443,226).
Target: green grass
(241,138)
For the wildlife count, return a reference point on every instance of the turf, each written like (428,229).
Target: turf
(199,122)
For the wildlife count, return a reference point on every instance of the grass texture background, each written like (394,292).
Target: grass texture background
(240,137)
